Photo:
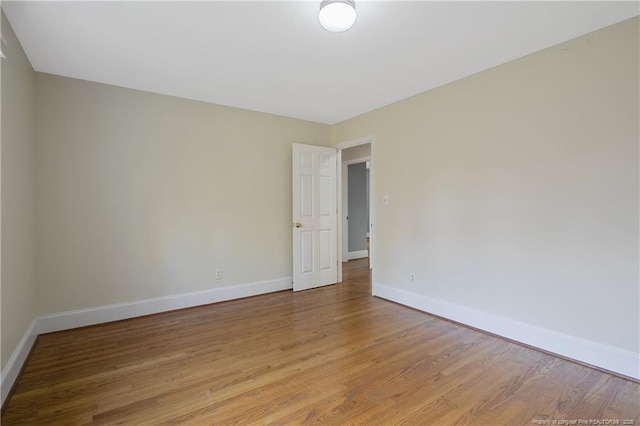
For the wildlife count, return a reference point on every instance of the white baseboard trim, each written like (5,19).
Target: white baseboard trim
(120,311)
(357,254)
(17,359)
(608,357)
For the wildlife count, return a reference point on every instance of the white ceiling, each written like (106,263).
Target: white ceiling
(275,57)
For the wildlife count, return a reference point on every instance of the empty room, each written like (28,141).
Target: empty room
(321,211)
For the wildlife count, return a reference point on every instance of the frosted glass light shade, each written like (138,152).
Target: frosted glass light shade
(337,15)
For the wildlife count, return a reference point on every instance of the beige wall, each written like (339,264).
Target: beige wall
(358,151)
(515,191)
(143,195)
(18,306)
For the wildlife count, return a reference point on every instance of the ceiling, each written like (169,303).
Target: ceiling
(275,57)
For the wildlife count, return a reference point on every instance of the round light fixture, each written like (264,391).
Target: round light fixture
(337,15)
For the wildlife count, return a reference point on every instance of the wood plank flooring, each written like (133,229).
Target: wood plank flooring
(332,355)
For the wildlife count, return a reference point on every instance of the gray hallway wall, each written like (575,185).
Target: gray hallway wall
(358,206)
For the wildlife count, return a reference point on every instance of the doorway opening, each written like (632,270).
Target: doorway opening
(355,212)
(355,208)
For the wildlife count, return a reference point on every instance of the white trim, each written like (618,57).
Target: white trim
(120,311)
(340,222)
(101,314)
(372,210)
(608,357)
(357,160)
(17,359)
(357,254)
(355,142)
(344,212)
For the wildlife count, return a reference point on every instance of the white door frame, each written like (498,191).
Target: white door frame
(372,239)
(345,201)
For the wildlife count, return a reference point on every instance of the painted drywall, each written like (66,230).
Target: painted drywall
(358,206)
(356,152)
(515,191)
(18,300)
(144,195)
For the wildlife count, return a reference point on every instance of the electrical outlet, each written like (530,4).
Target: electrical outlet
(413,277)
(218,274)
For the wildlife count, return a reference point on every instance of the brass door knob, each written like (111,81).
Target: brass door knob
(297,225)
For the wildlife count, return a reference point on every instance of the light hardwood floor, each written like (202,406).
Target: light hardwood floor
(331,355)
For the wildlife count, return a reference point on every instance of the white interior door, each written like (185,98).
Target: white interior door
(315,220)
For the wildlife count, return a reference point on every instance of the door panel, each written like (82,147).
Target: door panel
(314,217)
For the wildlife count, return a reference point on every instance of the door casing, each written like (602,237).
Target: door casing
(372,196)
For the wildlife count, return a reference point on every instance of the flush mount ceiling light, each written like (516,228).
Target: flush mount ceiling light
(337,15)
